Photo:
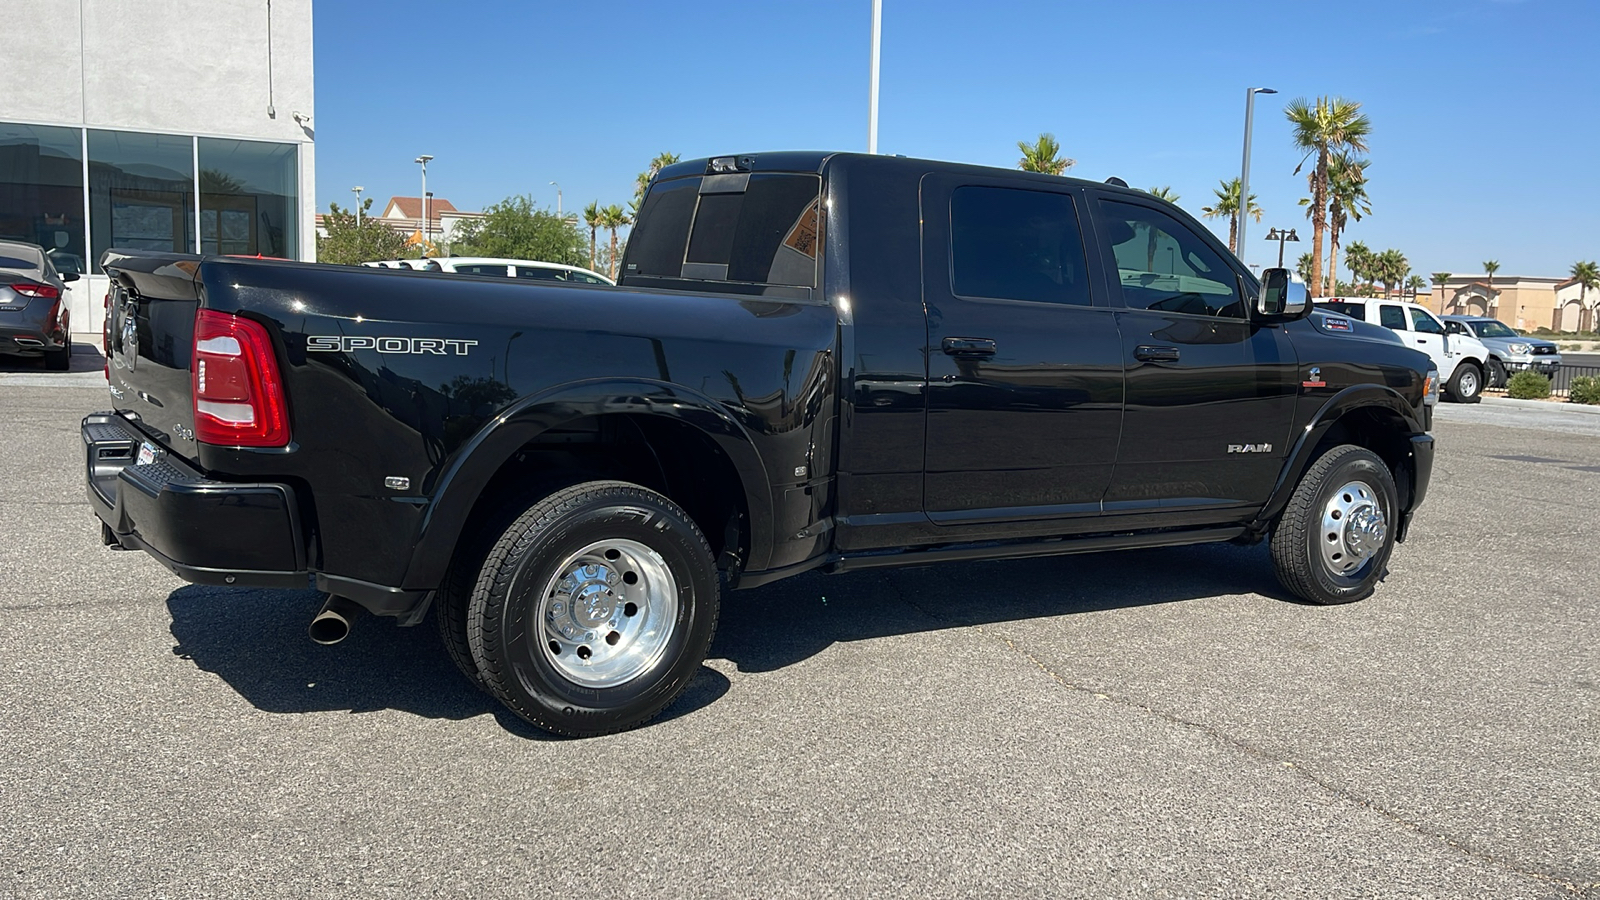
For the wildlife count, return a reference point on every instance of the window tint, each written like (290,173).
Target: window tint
(1163,265)
(1344,307)
(540,273)
(13,262)
(1421,321)
(1392,317)
(1494,330)
(656,245)
(1016,245)
(765,235)
(498,270)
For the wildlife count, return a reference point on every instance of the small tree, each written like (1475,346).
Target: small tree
(349,244)
(515,229)
(612,218)
(1439,278)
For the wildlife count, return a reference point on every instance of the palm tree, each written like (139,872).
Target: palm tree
(1587,275)
(1347,201)
(593,219)
(1439,278)
(1043,155)
(1302,266)
(1228,205)
(1358,259)
(1490,266)
(661,161)
(1392,269)
(1325,129)
(1416,283)
(1163,193)
(612,218)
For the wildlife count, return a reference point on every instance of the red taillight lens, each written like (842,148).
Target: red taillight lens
(42,291)
(238,394)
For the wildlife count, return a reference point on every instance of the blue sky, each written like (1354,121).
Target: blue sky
(1486,113)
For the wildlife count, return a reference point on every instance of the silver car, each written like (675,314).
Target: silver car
(1508,351)
(34,319)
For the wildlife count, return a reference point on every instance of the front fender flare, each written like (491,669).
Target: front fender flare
(461,482)
(1340,404)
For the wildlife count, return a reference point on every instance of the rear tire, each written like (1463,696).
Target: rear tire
(594,609)
(1333,541)
(58,360)
(1466,385)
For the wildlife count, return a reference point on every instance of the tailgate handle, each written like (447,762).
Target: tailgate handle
(1148,353)
(969,348)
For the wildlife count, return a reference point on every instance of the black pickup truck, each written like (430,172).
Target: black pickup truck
(812,360)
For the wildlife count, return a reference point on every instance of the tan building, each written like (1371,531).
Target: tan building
(1521,301)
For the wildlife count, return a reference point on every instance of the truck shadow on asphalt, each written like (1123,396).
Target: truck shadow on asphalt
(255,640)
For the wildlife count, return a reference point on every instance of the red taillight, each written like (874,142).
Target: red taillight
(42,291)
(238,395)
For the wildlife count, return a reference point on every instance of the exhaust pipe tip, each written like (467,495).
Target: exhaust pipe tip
(332,623)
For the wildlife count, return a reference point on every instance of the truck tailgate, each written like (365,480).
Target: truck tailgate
(151,328)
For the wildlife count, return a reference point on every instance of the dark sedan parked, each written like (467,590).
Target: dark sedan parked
(34,320)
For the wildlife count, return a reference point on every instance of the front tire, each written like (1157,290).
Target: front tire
(1466,385)
(594,609)
(1497,373)
(1333,541)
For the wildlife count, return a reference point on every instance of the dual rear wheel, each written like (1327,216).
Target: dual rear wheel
(590,610)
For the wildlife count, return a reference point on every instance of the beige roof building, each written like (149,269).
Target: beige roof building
(1521,301)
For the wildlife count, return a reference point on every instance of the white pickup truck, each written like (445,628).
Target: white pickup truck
(1462,360)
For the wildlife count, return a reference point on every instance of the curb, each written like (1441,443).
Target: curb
(1542,404)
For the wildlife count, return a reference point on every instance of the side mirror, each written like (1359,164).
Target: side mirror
(68,276)
(1283,297)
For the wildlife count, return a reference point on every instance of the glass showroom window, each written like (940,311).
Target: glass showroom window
(249,200)
(141,192)
(41,191)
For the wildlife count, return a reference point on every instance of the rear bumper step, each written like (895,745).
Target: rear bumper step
(205,531)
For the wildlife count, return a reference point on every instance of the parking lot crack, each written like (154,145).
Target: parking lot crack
(1574,888)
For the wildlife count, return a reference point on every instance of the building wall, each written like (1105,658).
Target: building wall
(184,68)
(1519,301)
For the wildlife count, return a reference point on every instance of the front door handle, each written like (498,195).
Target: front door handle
(1422,340)
(1148,353)
(969,348)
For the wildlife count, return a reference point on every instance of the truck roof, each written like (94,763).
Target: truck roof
(817,160)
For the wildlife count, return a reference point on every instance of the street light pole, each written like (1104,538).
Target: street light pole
(872,103)
(423,161)
(1244,172)
(357,191)
(1279,235)
(558,199)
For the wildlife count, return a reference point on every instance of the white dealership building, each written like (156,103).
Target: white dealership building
(180,125)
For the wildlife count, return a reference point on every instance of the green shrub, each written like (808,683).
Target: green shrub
(1528,386)
(1585,390)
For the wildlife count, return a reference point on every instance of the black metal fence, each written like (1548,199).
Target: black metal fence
(1561,383)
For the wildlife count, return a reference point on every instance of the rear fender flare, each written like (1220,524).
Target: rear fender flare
(1337,407)
(462,481)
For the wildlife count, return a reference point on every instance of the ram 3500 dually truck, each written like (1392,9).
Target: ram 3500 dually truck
(812,360)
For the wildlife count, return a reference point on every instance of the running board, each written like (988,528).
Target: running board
(1023,549)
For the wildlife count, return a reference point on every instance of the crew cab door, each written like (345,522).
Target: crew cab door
(1024,367)
(1210,394)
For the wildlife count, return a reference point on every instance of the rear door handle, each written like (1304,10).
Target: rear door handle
(969,348)
(1148,353)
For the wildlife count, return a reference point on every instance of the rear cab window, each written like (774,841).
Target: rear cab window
(752,232)
(1013,244)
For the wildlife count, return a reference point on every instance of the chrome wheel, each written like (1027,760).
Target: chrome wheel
(1354,528)
(608,613)
(1469,382)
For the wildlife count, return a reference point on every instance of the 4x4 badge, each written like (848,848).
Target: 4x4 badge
(1314,378)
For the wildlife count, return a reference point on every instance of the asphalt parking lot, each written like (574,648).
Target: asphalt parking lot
(1149,723)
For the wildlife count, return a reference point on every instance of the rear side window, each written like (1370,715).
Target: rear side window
(1016,245)
(540,273)
(482,269)
(1392,317)
(12,262)
(766,234)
